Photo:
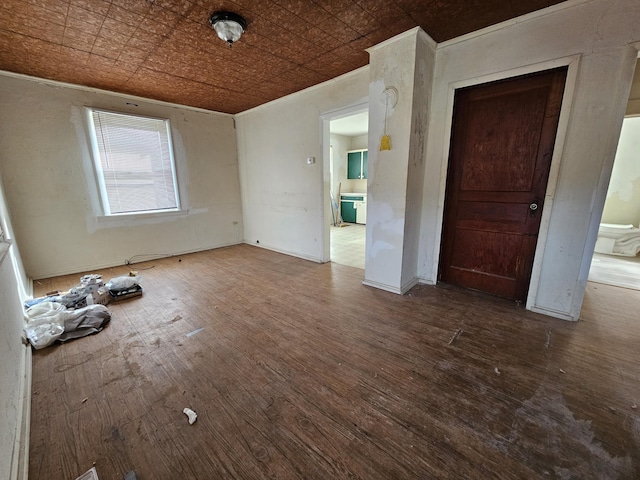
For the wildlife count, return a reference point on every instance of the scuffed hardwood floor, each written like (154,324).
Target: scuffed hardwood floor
(301,372)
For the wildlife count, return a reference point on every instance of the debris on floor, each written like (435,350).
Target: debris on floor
(48,322)
(497,370)
(191,414)
(89,475)
(193,332)
(121,288)
(93,291)
(77,313)
(44,323)
(562,371)
(455,336)
(84,321)
(90,291)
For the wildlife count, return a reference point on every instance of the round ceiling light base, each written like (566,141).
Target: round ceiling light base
(228,25)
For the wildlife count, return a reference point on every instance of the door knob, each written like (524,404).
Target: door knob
(533,208)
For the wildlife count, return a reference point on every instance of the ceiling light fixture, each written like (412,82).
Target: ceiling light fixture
(229,26)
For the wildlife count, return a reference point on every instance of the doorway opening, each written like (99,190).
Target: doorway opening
(616,259)
(348,143)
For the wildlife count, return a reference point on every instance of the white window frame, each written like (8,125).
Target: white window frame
(99,173)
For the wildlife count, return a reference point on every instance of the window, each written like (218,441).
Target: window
(134,163)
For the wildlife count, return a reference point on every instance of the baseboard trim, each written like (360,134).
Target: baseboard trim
(553,313)
(20,456)
(391,288)
(409,285)
(151,258)
(286,252)
(382,286)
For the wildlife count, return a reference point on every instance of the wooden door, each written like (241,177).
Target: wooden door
(501,147)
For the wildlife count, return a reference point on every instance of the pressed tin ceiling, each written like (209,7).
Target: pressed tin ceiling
(166,49)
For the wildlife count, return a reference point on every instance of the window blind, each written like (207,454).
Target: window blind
(135,163)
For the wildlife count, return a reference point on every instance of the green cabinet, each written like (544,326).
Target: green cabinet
(352,208)
(357,164)
(348,212)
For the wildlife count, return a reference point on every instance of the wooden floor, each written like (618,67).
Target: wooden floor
(298,371)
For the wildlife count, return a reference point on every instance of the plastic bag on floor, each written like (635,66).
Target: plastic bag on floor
(45,323)
(122,283)
(84,321)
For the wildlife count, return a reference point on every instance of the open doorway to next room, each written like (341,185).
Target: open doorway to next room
(616,260)
(348,188)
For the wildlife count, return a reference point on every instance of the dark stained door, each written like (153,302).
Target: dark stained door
(501,147)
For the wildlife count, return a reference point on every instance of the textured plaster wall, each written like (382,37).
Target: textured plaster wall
(52,196)
(12,356)
(341,145)
(391,66)
(12,352)
(394,192)
(423,84)
(285,201)
(360,141)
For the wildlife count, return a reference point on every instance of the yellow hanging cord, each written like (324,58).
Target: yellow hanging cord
(385,141)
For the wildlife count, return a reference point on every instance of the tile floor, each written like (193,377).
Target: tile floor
(615,270)
(347,245)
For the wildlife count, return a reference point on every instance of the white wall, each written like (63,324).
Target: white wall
(12,366)
(285,201)
(391,66)
(14,387)
(360,141)
(623,196)
(598,35)
(15,258)
(394,191)
(423,85)
(341,145)
(51,193)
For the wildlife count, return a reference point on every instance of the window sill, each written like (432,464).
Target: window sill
(132,217)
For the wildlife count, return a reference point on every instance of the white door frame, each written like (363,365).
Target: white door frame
(325,135)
